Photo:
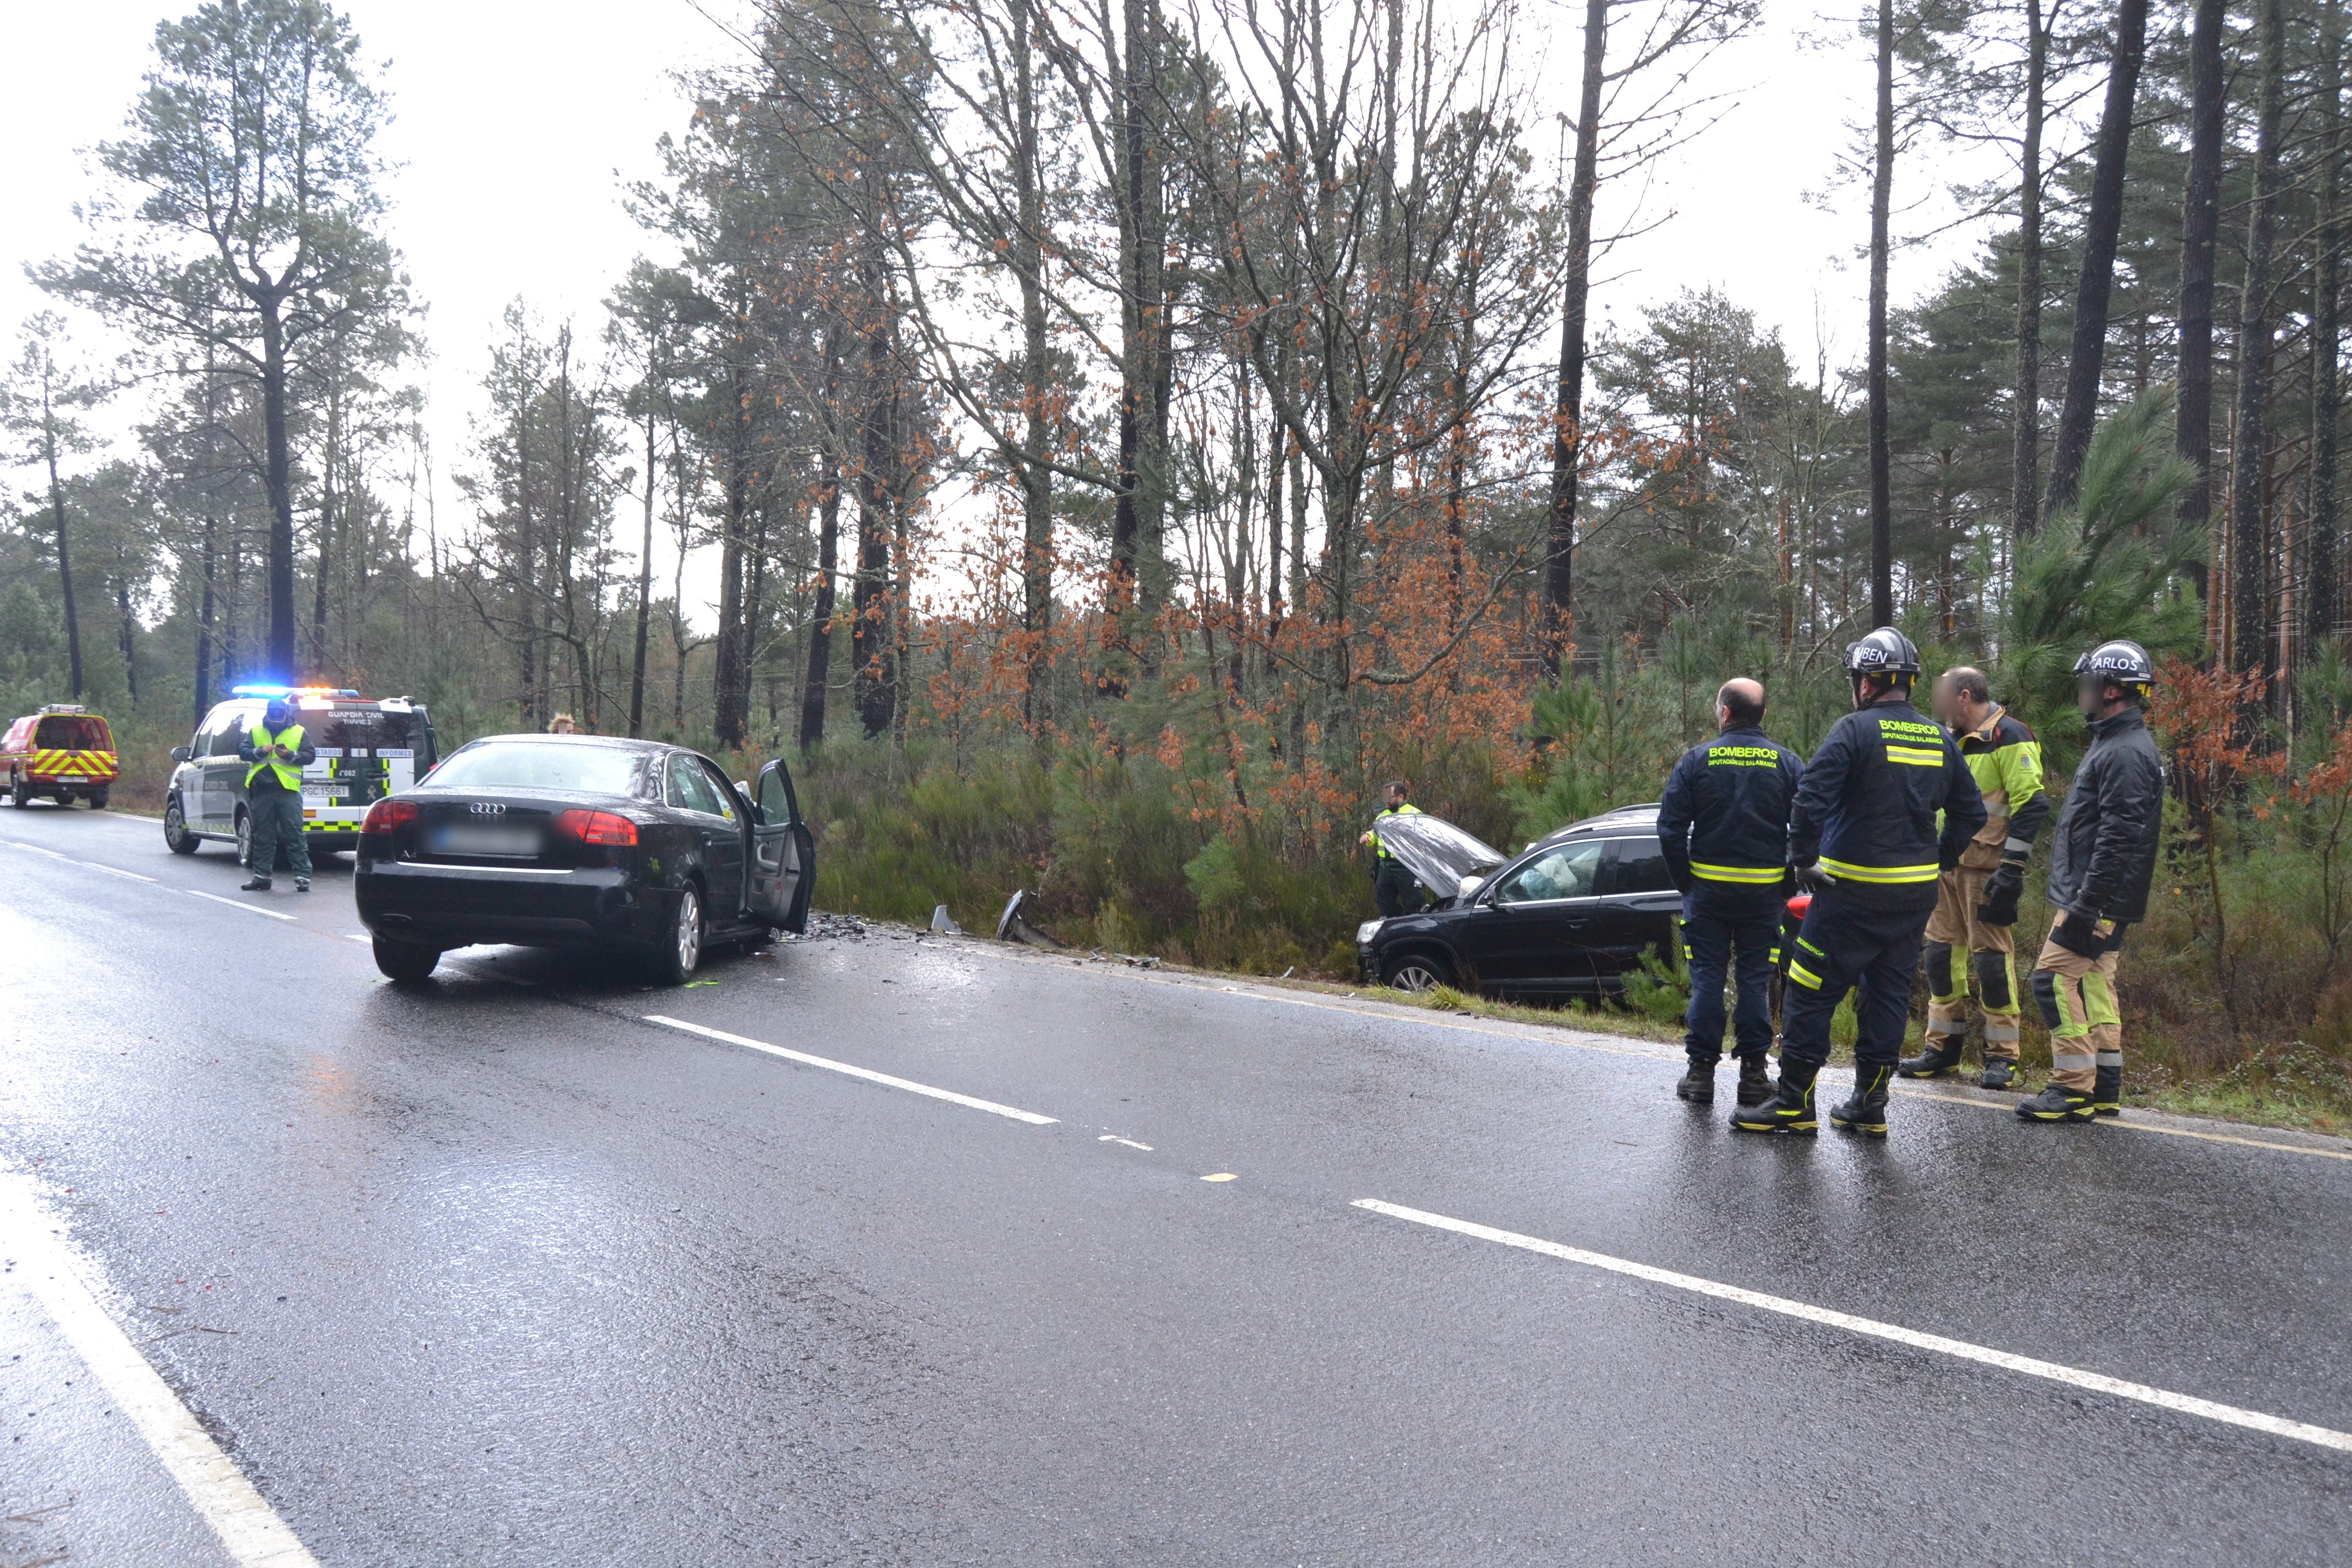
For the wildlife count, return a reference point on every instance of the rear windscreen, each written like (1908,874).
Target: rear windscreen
(370,730)
(73,732)
(538,765)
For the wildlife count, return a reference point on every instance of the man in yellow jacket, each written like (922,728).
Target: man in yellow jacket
(275,750)
(1968,935)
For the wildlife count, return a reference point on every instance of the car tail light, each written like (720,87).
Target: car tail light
(599,827)
(386,815)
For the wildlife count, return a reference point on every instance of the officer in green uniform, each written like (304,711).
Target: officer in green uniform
(1393,888)
(275,752)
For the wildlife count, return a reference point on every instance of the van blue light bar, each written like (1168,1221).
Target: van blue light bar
(291,691)
(260,690)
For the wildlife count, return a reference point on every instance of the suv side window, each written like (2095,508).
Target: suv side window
(1564,871)
(1641,867)
(228,727)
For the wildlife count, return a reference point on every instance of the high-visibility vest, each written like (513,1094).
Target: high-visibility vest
(1378,848)
(289,775)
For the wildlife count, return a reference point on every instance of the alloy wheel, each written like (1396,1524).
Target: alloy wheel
(1415,975)
(689,931)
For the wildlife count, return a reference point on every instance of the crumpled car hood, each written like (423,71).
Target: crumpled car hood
(1439,854)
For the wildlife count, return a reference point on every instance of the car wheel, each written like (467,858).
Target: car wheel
(404,961)
(677,960)
(176,836)
(1419,972)
(98,801)
(245,840)
(20,794)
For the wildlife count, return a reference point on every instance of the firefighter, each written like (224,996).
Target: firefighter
(276,751)
(1393,888)
(1723,824)
(1862,840)
(1975,902)
(2102,856)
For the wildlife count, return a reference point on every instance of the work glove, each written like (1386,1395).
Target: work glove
(2001,891)
(1811,878)
(2077,933)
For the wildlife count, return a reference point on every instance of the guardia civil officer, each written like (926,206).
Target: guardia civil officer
(1723,824)
(1393,889)
(2102,857)
(1977,900)
(275,752)
(1864,840)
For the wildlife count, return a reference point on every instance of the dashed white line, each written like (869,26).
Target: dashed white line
(247,1526)
(868,1074)
(1123,1143)
(2188,1404)
(114,870)
(232,903)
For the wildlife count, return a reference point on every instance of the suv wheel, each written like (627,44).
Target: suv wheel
(97,800)
(20,794)
(677,961)
(1419,972)
(176,836)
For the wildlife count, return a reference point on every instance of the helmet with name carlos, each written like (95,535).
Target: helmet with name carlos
(2122,661)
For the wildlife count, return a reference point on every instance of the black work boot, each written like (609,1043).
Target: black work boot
(258,885)
(2056,1103)
(1999,1072)
(1866,1112)
(1697,1085)
(1941,1055)
(1755,1081)
(1790,1107)
(2107,1093)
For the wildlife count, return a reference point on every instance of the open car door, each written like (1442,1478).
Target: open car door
(783,853)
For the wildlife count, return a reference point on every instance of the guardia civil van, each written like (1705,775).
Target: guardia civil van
(367,749)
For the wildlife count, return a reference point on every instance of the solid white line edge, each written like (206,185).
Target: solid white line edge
(2277,1425)
(868,1074)
(248,1528)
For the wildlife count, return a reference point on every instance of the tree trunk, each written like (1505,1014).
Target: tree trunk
(1882,190)
(277,478)
(2102,223)
(126,640)
(1556,623)
(203,683)
(731,679)
(644,586)
(1142,244)
(874,680)
(2320,591)
(65,555)
(828,554)
(2248,526)
(2025,475)
(2201,222)
(1036,479)
(325,520)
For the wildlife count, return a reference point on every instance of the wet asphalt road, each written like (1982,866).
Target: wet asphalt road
(497,1272)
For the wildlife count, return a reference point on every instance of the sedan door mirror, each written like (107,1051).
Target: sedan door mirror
(182,753)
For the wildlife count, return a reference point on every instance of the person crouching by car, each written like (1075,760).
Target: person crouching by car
(275,752)
(1393,888)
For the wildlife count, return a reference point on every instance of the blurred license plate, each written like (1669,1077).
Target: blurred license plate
(326,792)
(463,839)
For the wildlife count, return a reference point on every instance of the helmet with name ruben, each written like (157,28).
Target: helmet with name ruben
(2124,662)
(1883,652)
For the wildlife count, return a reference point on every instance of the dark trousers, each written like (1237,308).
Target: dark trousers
(1709,942)
(1394,889)
(278,817)
(1844,946)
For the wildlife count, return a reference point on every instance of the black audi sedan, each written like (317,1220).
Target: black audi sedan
(581,841)
(1567,917)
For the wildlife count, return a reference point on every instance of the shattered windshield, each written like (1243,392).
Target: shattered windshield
(1438,854)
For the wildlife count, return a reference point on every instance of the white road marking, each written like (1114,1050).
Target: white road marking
(248,1528)
(868,1074)
(2099,1382)
(232,903)
(355,936)
(1127,1143)
(114,870)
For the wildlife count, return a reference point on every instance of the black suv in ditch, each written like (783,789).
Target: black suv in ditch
(1567,917)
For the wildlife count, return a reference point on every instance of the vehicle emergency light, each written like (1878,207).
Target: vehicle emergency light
(386,815)
(593,827)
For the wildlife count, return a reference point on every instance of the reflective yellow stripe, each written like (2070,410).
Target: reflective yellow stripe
(1736,873)
(1917,759)
(1844,872)
(1804,977)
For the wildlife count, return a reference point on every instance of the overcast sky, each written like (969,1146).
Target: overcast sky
(518,121)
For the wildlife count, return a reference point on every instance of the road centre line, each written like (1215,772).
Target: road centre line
(1538,1033)
(247,1526)
(233,903)
(2099,1382)
(114,870)
(868,1074)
